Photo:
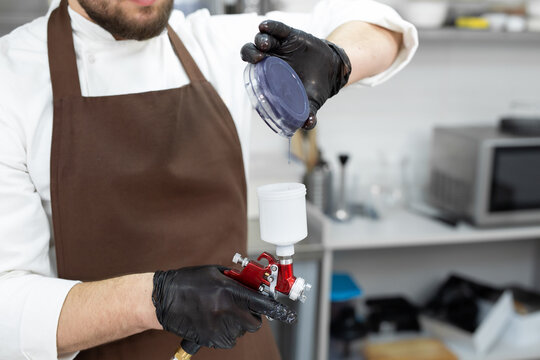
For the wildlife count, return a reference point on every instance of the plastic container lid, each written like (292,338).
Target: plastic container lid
(281,191)
(278,95)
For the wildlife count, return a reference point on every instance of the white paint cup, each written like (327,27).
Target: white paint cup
(282,215)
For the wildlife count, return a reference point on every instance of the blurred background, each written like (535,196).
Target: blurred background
(424,200)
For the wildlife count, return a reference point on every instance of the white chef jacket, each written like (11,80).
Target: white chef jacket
(31,295)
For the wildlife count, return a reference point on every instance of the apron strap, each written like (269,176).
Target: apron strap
(63,62)
(191,68)
(62,59)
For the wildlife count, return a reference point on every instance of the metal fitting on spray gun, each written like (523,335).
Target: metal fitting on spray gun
(283,222)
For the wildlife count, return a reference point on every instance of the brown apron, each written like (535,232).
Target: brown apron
(142,182)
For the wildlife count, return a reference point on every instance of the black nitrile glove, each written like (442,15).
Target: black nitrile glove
(203,305)
(323,67)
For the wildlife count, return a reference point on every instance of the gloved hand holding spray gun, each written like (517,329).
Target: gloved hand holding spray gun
(212,306)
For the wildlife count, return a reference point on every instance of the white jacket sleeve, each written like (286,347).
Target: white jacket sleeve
(330,14)
(30,297)
(231,32)
(372,12)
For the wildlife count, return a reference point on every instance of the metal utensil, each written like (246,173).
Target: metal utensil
(342,211)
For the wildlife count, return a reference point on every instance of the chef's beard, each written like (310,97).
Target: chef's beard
(143,24)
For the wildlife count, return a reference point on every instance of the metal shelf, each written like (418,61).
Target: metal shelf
(484,36)
(403,228)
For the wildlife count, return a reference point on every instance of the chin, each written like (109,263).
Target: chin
(129,19)
(149,13)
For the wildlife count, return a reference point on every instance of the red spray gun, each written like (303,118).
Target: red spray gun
(275,277)
(282,217)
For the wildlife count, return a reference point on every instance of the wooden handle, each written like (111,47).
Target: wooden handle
(181,354)
(186,350)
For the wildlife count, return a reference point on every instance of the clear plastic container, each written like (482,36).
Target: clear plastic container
(278,95)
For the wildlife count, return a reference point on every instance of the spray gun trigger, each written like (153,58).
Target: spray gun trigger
(263,291)
(272,279)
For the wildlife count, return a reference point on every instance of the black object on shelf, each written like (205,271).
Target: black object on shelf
(435,214)
(346,327)
(526,301)
(520,126)
(396,312)
(364,210)
(456,302)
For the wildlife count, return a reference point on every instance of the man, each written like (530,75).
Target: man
(118,158)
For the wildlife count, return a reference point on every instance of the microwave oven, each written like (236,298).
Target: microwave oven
(485,176)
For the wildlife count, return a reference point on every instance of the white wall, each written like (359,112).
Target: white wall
(454,79)
(14,13)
